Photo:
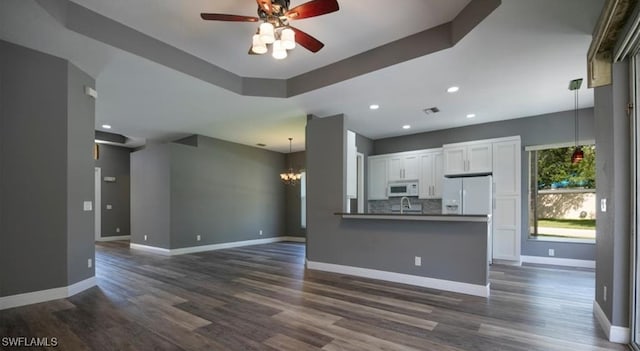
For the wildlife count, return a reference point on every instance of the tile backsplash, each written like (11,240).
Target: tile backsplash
(384,206)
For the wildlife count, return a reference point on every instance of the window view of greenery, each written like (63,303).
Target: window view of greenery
(563,194)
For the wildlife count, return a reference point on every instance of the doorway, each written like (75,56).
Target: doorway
(97,204)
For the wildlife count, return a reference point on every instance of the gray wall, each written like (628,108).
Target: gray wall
(44,150)
(546,129)
(150,199)
(80,175)
(225,192)
(114,161)
(449,251)
(222,191)
(297,160)
(612,174)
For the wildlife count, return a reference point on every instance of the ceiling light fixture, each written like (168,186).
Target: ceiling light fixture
(406,126)
(289,176)
(471,115)
(374,107)
(106,126)
(578,154)
(274,29)
(453,89)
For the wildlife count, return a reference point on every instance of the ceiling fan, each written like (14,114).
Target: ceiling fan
(275,29)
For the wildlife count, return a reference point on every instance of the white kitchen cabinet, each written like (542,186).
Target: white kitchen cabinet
(378,172)
(431,174)
(507,199)
(404,166)
(351,161)
(467,158)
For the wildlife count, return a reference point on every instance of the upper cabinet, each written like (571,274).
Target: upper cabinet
(467,158)
(404,167)
(431,174)
(378,171)
(422,166)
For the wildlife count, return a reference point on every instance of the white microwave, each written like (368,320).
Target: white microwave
(402,189)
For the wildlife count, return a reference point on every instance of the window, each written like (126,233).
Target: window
(303,200)
(562,195)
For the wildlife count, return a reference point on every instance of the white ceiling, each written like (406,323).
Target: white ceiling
(358,26)
(516,63)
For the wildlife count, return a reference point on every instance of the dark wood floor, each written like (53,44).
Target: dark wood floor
(261,298)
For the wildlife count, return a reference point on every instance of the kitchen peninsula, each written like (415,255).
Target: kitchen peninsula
(426,248)
(451,251)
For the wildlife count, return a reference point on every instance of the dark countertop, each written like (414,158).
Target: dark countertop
(416,217)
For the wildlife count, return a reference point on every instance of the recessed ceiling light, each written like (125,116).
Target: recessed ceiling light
(453,89)
(374,107)
(106,126)
(406,126)
(471,115)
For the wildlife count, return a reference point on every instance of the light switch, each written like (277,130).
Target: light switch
(109,206)
(603,205)
(88,206)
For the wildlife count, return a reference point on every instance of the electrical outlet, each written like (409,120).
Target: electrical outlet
(198,237)
(89,263)
(145,238)
(604,293)
(552,252)
(118,230)
(260,231)
(418,261)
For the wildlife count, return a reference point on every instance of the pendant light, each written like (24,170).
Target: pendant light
(289,176)
(578,154)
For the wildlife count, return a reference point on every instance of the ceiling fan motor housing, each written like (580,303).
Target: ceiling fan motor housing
(279,8)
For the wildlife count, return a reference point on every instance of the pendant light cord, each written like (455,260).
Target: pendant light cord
(576,117)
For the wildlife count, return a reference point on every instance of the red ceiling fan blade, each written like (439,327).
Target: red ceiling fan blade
(229,18)
(312,8)
(308,42)
(266,6)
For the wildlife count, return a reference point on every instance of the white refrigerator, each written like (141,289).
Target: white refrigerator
(470,196)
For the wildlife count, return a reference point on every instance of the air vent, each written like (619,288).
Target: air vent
(431,110)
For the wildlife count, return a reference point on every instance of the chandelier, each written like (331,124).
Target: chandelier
(289,176)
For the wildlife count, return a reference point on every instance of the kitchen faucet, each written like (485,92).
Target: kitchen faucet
(402,201)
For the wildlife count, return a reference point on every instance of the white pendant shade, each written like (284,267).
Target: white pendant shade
(258,46)
(288,37)
(279,52)
(267,35)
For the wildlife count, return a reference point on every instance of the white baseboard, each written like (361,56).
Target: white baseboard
(569,262)
(114,238)
(212,247)
(46,295)
(506,262)
(440,284)
(620,335)
(298,239)
(153,249)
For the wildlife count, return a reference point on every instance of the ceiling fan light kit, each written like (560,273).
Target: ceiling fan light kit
(275,29)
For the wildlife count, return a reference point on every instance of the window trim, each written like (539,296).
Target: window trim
(548,238)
